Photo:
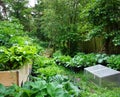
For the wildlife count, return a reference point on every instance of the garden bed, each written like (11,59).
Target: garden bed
(7,78)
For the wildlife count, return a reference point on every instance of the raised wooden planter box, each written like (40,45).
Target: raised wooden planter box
(7,78)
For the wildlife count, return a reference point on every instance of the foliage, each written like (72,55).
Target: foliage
(41,88)
(83,60)
(44,66)
(102,58)
(43,61)
(62,60)
(8,30)
(19,9)
(50,70)
(15,56)
(114,61)
(19,40)
(16,47)
(58,78)
(101,19)
(79,60)
(57,53)
(59,23)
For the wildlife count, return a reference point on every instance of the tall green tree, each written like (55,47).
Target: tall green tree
(19,9)
(38,12)
(102,18)
(60,21)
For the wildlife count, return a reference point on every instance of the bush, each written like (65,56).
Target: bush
(83,60)
(102,59)
(114,62)
(9,30)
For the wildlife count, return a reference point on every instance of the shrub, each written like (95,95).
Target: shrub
(114,61)
(8,30)
(102,59)
(83,60)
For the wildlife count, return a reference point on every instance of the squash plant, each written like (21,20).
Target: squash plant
(15,56)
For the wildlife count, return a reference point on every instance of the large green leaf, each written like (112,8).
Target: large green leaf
(2,89)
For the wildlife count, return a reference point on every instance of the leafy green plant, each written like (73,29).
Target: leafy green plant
(9,29)
(83,60)
(58,78)
(102,59)
(63,60)
(50,70)
(20,40)
(16,56)
(42,61)
(114,61)
(41,88)
(57,53)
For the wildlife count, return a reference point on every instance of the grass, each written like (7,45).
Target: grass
(89,89)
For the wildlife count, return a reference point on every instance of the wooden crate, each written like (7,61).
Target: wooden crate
(7,78)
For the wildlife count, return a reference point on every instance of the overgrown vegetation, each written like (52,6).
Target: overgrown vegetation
(16,48)
(59,87)
(70,26)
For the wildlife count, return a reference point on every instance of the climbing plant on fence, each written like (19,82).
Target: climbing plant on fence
(102,18)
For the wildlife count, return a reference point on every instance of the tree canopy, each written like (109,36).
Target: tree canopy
(67,23)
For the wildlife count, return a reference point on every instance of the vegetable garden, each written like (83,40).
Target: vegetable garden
(59,38)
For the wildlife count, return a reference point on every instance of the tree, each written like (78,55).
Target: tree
(102,18)
(3,13)
(60,21)
(19,9)
(37,10)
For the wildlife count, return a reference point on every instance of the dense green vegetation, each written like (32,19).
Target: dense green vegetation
(68,24)
(60,86)
(80,33)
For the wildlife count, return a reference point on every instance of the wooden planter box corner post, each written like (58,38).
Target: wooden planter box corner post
(7,78)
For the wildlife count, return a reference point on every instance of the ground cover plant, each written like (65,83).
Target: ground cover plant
(60,86)
(66,84)
(87,88)
(82,60)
